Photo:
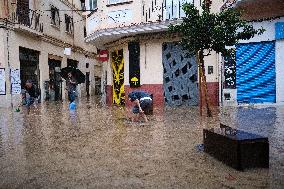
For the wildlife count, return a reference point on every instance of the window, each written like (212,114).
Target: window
(93,4)
(55,19)
(83,4)
(68,24)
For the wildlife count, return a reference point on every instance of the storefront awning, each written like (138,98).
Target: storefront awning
(101,37)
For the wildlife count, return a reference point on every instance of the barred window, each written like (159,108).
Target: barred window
(93,4)
(55,19)
(68,24)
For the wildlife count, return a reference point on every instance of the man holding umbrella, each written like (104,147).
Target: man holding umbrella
(71,84)
(73,77)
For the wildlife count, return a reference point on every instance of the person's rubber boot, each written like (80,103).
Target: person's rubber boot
(72,106)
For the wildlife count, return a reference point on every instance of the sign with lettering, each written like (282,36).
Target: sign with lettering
(16,81)
(2,82)
(103,56)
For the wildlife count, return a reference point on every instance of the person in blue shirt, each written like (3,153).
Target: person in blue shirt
(142,102)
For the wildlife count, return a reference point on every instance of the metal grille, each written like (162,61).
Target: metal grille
(256,72)
(180,76)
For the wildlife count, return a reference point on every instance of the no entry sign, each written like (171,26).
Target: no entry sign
(103,55)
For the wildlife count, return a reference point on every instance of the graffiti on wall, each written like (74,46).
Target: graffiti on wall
(118,77)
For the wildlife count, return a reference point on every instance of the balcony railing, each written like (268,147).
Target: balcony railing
(28,18)
(157,10)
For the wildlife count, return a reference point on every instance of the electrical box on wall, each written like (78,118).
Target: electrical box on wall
(229,97)
(210,70)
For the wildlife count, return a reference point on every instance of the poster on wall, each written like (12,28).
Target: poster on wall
(15,81)
(2,82)
(134,64)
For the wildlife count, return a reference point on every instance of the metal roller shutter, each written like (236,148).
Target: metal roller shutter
(256,72)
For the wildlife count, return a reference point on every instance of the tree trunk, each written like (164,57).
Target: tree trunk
(199,82)
(203,76)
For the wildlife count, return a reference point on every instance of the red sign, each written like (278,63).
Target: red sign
(103,55)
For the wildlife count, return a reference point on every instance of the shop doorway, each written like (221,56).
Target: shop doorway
(29,66)
(55,81)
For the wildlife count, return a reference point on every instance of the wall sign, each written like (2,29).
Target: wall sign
(230,73)
(2,82)
(15,81)
(279,30)
(103,55)
(134,64)
(120,16)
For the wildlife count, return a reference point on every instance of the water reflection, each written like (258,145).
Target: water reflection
(96,147)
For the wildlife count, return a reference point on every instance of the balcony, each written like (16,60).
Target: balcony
(28,21)
(257,9)
(137,17)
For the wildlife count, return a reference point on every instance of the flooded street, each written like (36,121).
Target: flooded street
(95,147)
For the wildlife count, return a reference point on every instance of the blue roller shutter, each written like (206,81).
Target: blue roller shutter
(256,72)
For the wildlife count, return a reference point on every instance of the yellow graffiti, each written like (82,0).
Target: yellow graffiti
(118,77)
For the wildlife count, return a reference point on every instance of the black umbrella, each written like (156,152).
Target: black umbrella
(64,72)
(76,73)
(79,76)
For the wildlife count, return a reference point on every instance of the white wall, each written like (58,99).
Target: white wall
(151,66)
(268,35)
(279,65)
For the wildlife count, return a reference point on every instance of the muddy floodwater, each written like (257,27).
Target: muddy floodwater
(95,147)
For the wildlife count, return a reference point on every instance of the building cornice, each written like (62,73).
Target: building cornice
(63,44)
(144,38)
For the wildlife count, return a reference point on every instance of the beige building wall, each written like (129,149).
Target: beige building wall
(50,43)
(151,66)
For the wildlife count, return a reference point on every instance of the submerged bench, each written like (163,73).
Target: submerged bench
(236,148)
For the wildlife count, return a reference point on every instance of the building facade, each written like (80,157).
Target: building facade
(37,39)
(257,74)
(141,55)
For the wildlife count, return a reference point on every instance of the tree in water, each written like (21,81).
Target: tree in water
(202,32)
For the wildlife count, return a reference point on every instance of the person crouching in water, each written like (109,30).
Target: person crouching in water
(33,94)
(142,102)
(71,87)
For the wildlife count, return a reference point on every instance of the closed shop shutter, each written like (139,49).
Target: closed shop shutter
(256,72)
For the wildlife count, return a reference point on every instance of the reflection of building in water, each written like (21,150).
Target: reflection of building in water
(1,145)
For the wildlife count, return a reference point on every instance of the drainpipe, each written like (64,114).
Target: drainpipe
(8,61)
(220,78)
